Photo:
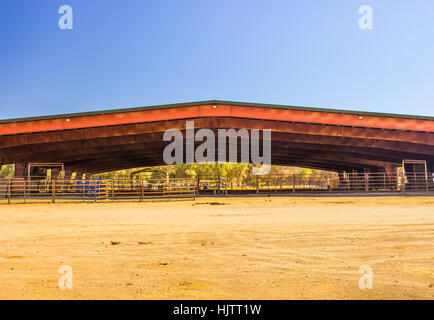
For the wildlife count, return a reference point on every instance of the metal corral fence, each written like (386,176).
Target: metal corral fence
(21,190)
(346,182)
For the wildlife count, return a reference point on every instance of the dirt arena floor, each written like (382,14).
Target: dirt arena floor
(220,248)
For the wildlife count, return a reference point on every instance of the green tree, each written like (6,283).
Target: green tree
(7,171)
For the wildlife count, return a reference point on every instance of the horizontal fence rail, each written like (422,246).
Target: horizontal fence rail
(17,190)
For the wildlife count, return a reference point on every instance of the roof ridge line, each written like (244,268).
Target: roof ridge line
(215,101)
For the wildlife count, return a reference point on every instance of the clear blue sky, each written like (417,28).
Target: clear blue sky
(134,53)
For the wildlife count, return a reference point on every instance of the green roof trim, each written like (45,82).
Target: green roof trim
(195,103)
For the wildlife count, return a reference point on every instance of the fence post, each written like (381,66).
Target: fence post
(9,191)
(95,190)
(53,191)
(24,189)
(366,182)
(113,190)
(83,188)
(293,182)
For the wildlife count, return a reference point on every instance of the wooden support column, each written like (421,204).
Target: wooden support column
(20,170)
(390,172)
(67,175)
(366,181)
(55,173)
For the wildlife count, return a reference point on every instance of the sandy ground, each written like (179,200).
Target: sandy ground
(233,248)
